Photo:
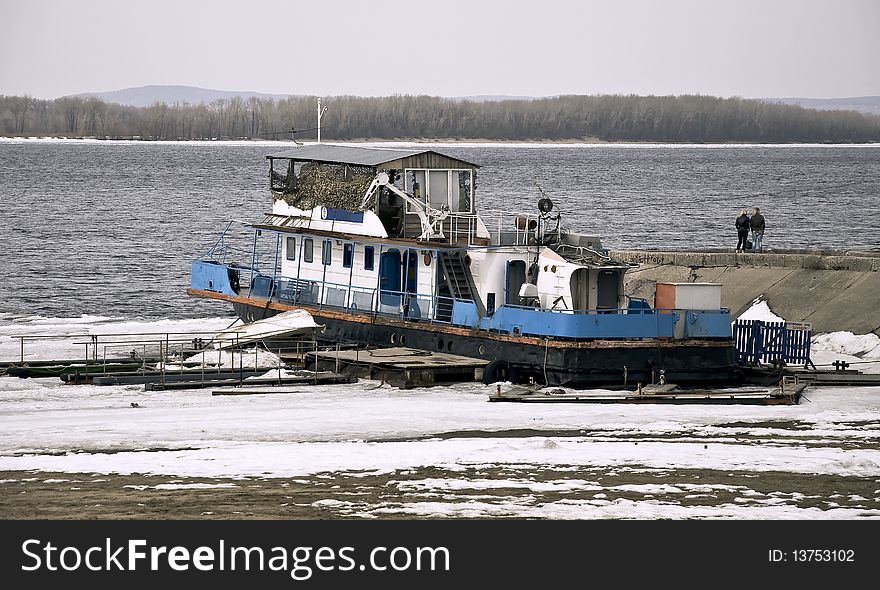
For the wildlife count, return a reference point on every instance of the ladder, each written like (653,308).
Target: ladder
(457,278)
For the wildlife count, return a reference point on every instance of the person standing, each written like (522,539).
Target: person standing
(743,224)
(757,223)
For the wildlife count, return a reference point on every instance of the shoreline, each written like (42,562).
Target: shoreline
(439,141)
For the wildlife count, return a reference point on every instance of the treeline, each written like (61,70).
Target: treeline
(689,118)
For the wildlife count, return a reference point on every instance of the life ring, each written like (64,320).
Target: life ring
(496,371)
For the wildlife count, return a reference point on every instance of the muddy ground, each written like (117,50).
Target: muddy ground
(42,495)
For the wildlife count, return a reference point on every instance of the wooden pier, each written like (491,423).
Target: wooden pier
(653,394)
(247,386)
(835,378)
(402,367)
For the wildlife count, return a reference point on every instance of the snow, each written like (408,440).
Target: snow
(862,351)
(297,321)
(483,457)
(760,310)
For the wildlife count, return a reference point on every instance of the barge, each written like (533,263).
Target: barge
(387,248)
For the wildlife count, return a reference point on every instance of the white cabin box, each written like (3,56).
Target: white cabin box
(699,296)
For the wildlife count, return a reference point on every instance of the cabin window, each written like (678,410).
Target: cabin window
(291,248)
(490,303)
(308,246)
(438,189)
(347,255)
(442,188)
(327,252)
(416,186)
(368,257)
(460,199)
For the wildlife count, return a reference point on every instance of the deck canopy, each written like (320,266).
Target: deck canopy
(338,176)
(377,158)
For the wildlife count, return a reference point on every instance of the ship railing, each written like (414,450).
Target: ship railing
(461,228)
(240,247)
(512,229)
(230,244)
(454,228)
(404,305)
(505,229)
(100,349)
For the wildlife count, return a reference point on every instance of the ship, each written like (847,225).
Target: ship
(386,247)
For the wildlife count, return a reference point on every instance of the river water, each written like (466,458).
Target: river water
(110,228)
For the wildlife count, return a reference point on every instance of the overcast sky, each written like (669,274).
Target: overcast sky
(748,48)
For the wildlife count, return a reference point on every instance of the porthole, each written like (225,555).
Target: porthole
(481,349)
(394,339)
(449,345)
(402,339)
(440,344)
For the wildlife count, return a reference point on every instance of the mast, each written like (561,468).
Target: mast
(320,114)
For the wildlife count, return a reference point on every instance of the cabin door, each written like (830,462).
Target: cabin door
(608,287)
(580,288)
(411,308)
(516,276)
(389,280)
(411,265)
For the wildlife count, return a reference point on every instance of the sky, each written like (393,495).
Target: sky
(747,48)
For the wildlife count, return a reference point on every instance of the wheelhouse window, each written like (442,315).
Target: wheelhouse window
(308,246)
(461,199)
(347,255)
(291,248)
(416,186)
(327,252)
(439,188)
(369,254)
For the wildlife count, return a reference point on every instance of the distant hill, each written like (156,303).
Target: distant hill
(144,96)
(869,105)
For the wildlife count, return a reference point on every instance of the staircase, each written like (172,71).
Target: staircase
(457,281)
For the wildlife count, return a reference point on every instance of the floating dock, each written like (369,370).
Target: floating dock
(158,377)
(654,394)
(835,378)
(402,367)
(275,384)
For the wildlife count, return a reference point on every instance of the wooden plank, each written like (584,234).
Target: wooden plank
(750,396)
(322,378)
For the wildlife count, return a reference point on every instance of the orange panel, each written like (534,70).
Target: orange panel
(664,296)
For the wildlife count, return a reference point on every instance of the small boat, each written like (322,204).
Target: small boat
(386,248)
(297,323)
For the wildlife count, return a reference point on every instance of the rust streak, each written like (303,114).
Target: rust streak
(363,318)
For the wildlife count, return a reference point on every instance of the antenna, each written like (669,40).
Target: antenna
(320,114)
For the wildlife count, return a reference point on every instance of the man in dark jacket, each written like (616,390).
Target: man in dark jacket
(757,222)
(742,231)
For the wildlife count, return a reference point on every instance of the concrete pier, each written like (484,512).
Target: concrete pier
(832,290)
